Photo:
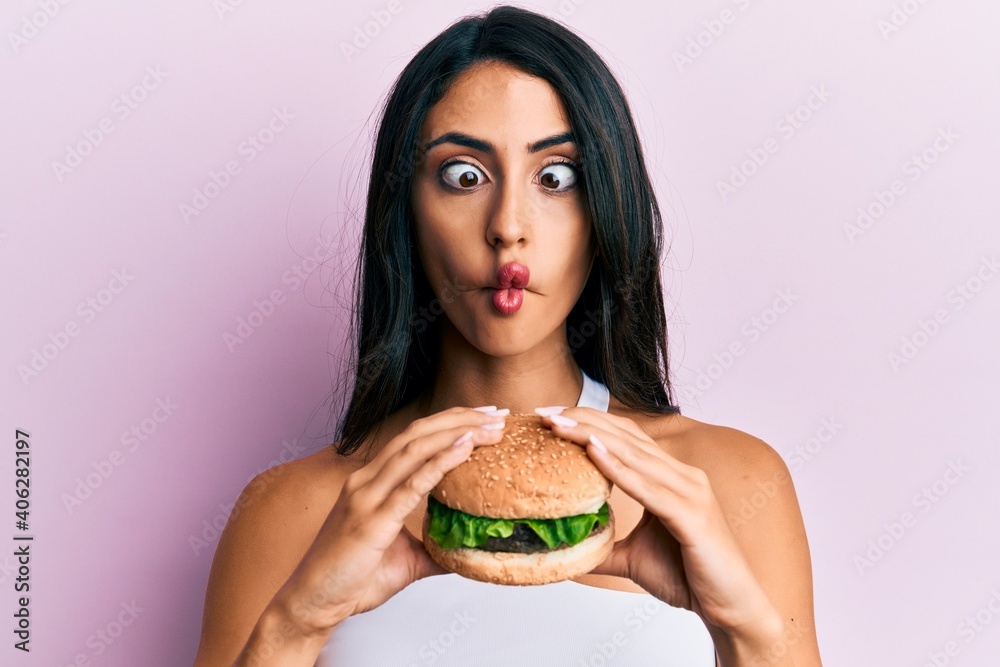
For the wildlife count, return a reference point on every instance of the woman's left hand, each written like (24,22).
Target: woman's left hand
(682,551)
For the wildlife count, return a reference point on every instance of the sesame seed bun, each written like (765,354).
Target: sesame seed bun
(530,474)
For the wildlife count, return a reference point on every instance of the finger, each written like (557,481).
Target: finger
(617,562)
(650,480)
(451,418)
(591,418)
(410,487)
(623,423)
(424,565)
(587,424)
(381,506)
(416,455)
(588,417)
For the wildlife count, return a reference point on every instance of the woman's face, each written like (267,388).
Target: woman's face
(491,190)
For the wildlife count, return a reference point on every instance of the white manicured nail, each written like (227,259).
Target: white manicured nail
(550,410)
(598,445)
(562,421)
(493,427)
(465,438)
(485,408)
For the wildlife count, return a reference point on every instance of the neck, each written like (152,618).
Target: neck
(547,374)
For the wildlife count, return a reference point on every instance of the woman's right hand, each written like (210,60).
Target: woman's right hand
(363,554)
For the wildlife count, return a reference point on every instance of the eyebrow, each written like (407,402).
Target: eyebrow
(484,146)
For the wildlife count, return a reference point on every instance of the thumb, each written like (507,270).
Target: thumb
(424,565)
(617,561)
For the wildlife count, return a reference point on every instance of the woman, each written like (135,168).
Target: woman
(511,256)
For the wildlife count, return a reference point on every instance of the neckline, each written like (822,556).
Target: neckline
(594,394)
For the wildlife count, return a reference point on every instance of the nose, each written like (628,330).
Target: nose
(509,220)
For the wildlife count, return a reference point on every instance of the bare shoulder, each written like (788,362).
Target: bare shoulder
(272,524)
(726,454)
(756,494)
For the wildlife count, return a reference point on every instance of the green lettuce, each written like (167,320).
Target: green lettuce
(451,528)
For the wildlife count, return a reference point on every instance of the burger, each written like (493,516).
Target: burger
(530,509)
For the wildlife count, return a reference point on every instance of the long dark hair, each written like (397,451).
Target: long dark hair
(617,329)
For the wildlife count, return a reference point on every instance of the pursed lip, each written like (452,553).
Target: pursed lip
(512,275)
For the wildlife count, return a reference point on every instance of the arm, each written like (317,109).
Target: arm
(753,592)
(758,499)
(315,544)
(273,522)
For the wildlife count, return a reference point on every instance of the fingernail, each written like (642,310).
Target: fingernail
(562,421)
(465,438)
(493,427)
(550,410)
(499,413)
(485,408)
(598,445)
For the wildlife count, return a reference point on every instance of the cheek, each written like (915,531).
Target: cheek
(446,225)
(565,232)
(443,251)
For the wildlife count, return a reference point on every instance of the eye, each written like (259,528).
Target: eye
(461,175)
(558,176)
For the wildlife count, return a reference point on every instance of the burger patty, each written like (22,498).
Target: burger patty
(525,541)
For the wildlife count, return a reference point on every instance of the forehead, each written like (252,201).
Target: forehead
(495,99)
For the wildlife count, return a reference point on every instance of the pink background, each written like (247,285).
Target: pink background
(862,436)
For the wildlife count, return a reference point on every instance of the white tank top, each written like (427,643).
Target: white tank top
(450,621)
